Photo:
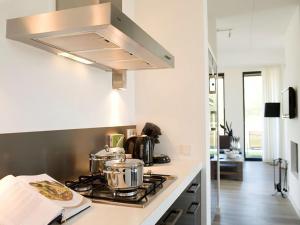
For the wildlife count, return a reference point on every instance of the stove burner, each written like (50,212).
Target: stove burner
(96,188)
(129,193)
(83,187)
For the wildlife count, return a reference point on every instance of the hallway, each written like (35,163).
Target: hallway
(251,202)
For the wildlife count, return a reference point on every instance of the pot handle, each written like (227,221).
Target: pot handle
(92,156)
(110,172)
(94,164)
(123,158)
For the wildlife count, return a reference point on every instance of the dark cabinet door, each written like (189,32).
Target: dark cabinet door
(186,210)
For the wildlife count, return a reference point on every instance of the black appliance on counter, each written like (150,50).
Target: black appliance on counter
(95,188)
(141,147)
(161,159)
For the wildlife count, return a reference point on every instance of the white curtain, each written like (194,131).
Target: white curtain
(271,93)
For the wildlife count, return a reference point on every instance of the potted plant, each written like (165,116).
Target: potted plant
(228,142)
(227,129)
(225,140)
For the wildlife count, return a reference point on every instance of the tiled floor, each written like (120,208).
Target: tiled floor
(251,202)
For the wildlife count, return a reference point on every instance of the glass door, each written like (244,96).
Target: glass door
(253,115)
(214,136)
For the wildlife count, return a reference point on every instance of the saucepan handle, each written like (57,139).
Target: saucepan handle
(110,172)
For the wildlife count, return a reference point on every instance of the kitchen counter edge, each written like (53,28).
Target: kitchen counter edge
(185,171)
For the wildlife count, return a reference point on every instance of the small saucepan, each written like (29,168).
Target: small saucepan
(124,176)
(97,161)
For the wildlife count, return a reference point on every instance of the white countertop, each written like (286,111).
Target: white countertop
(185,170)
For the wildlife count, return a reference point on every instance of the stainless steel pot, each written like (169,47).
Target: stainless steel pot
(98,160)
(124,176)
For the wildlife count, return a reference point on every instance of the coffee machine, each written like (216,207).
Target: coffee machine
(141,147)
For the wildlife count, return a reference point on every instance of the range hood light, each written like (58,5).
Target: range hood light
(75,58)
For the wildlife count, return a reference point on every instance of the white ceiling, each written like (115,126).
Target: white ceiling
(258,30)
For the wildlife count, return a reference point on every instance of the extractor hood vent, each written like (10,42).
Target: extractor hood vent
(96,49)
(98,34)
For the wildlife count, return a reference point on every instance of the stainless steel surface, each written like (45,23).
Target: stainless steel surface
(117,3)
(62,154)
(169,180)
(94,164)
(119,79)
(69,4)
(99,33)
(127,193)
(126,175)
(128,163)
(97,161)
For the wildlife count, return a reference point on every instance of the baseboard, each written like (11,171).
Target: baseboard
(295,206)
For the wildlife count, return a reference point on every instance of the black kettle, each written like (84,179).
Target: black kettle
(141,147)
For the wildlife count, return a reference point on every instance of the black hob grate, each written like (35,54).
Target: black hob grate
(95,188)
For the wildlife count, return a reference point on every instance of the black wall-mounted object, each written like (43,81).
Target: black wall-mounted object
(272,109)
(289,103)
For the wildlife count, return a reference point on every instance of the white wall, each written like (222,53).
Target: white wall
(292,78)
(250,58)
(41,91)
(233,81)
(176,99)
(212,28)
(234,99)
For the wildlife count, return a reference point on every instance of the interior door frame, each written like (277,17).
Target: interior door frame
(222,76)
(248,74)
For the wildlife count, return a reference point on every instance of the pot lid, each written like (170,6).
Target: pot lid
(128,163)
(110,152)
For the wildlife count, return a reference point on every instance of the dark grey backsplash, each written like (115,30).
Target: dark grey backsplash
(62,154)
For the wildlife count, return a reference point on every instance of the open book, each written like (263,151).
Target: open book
(37,200)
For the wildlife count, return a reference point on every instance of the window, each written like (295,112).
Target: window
(253,115)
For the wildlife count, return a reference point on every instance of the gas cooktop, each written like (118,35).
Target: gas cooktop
(95,188)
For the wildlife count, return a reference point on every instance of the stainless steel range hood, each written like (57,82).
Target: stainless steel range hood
(97,34)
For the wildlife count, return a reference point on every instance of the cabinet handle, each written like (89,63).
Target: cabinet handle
(193,188)
(193,208)
(177,214)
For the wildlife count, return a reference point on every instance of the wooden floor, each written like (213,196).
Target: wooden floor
(251,202)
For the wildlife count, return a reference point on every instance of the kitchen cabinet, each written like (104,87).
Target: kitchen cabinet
(186,210)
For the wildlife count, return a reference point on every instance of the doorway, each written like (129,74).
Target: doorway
(253,115)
